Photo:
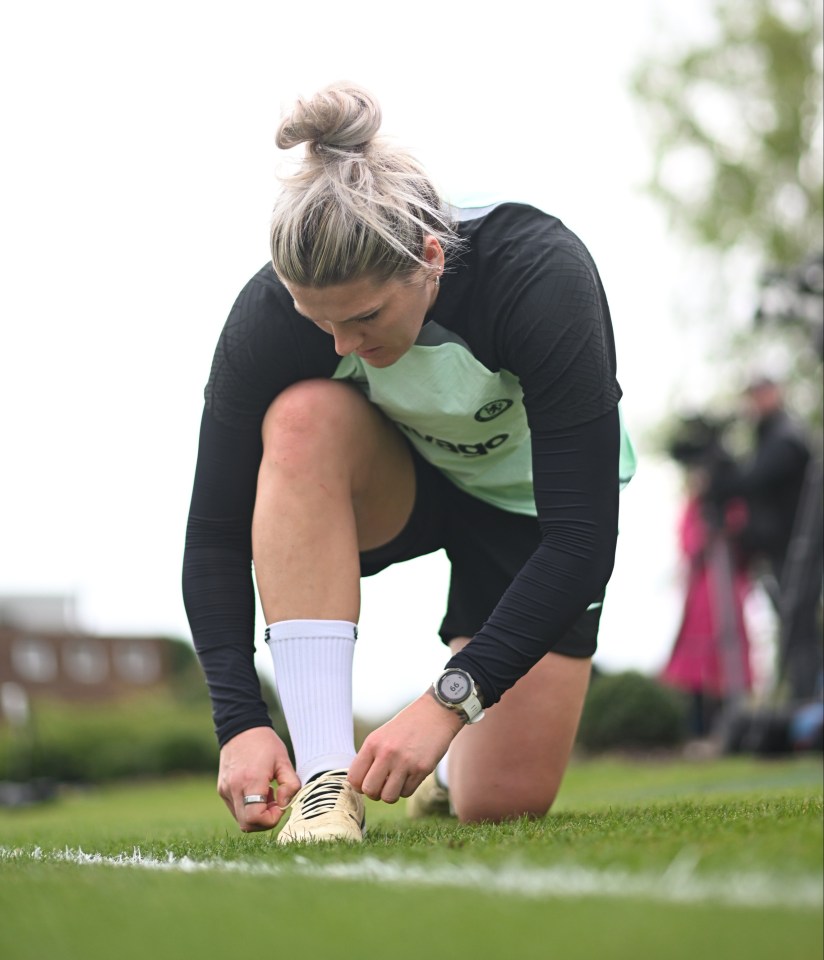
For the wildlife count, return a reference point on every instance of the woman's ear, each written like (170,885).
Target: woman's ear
(433,254)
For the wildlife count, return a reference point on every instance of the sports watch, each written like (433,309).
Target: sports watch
(456,690)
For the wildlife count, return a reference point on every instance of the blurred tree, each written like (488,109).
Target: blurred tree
(737,126)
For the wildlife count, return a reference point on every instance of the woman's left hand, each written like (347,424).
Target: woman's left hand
(395,758)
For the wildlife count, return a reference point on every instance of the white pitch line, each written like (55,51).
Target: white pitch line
(680,883)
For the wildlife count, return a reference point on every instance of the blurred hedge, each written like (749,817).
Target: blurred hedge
(631,711)
(167,731)
(147,736)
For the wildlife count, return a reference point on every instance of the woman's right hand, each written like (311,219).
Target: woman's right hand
(249,763)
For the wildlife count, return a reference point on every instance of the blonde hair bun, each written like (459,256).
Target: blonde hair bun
(342,116)
(355,205)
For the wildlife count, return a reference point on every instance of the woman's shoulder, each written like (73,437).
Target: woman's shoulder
(514,227)
(263,293)
(264,346)
(483,213)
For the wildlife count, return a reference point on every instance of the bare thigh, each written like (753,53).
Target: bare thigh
(336,477)
(512,762)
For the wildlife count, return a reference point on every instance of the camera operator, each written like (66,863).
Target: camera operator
(710,659)
(770,481)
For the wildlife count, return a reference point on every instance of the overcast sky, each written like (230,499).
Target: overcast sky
(139,176)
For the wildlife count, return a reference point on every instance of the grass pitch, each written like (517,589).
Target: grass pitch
(660,860)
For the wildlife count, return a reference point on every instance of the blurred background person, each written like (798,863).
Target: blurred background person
(781,538)
(710,658)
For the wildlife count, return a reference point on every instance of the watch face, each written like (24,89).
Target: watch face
(454,687)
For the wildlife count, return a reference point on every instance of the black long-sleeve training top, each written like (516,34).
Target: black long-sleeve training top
(510,390)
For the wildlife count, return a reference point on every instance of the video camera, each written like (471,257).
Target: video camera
(697,443)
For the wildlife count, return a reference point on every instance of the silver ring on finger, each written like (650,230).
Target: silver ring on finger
(255,798)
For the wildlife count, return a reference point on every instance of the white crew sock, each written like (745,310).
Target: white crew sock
(313,675)
(442,771)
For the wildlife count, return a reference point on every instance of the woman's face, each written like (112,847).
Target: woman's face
(377,321)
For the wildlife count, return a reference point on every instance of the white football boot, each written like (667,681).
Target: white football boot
(327,808)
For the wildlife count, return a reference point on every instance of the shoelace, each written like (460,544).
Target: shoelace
(321,797)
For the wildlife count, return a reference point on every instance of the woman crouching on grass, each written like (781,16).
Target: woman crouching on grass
(403,377)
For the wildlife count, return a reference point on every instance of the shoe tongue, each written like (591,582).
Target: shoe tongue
(326,773)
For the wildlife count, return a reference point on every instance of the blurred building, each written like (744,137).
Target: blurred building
(43,652)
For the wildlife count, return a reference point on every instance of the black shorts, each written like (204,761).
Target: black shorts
(486,548)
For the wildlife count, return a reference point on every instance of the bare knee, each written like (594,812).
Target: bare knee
(310,409)
(506,801)
(309,423)
(327,447)
(512,763)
